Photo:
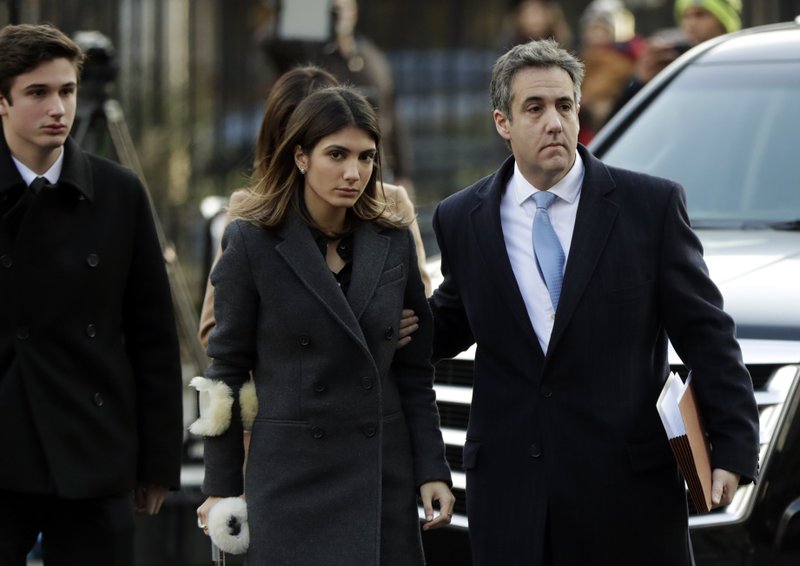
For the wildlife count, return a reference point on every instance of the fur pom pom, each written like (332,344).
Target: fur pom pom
(249,404)
(216,401)
(227,525)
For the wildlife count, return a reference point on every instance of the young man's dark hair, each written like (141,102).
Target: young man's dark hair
(25,46)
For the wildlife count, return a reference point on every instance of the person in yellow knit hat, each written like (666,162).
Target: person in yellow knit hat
(703,19)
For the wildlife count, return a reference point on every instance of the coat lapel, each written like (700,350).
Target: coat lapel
(48,219)
(369,259)
(489,235)
(595,218)
(303,257)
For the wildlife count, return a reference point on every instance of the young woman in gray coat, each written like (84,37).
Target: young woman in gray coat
(309,289)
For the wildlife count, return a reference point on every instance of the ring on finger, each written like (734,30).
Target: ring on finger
(200,523)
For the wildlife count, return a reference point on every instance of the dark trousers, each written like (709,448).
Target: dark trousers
(89,532)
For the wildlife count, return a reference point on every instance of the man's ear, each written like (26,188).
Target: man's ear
(502,124)
(3,105)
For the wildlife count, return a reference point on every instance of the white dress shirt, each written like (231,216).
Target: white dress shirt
(52,175)
(517,210)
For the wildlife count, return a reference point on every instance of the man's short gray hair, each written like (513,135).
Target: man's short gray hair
(544,54)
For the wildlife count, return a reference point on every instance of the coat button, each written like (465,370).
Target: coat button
(305,340)
(6,261)
(546,391)
(369,430)
(367,382)
(98,399)
(23,333)
(389,334)
(92,260)
(534,451)
(317,432)
(91,331)
(319,387)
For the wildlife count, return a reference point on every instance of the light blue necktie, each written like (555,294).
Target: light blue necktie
(546,247)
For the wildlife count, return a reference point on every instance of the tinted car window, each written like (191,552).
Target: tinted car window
(728,134)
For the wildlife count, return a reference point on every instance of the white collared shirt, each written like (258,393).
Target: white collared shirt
(517,210)
(52,175)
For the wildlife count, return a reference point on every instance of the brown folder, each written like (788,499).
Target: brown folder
(683,423)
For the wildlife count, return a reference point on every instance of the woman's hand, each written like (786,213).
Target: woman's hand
(436,491)
(202,512)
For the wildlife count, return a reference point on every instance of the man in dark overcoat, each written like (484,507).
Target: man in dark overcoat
(90,378)
(571,303)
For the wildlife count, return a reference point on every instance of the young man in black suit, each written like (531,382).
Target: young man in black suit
(90,378)
(567,460)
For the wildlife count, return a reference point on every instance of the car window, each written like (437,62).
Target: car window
(729,135)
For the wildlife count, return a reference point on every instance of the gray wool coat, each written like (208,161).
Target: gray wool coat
(347,426)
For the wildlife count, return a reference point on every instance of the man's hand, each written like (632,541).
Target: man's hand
(148,498)
(723,486)
(408,326)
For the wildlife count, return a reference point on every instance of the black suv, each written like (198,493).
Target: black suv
(724,121)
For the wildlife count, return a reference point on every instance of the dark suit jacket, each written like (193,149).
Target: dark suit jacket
(571,441)
(347,425)
(90,378)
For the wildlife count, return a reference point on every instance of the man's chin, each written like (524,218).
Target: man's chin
(51,142)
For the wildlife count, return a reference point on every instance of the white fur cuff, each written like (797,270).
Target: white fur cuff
(248,401)
(227,525)
(215,402)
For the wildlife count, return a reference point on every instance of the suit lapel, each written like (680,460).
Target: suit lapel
(303,257)
(369,259)
(596,216)
(489,235)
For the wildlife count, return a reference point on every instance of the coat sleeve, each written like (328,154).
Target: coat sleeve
(151,342)
(703,335)
(452,333)
(414,373)
(232,349)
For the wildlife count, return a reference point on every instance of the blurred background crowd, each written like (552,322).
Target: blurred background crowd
(191,77)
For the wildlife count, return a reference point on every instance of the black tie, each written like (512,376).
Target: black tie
(40,183)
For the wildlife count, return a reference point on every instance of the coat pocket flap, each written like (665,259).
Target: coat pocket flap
(653,453)
(471,454)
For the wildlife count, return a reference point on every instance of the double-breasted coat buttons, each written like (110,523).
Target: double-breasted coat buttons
(317,432)
(91,331)
(98,399)
(6,261)
(92,260)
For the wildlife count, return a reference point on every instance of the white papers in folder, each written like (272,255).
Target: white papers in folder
(668,405)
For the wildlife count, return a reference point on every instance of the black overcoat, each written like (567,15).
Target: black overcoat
(90,377)
(571,441)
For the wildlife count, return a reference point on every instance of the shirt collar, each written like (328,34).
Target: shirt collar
(567,188)
(52,175)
